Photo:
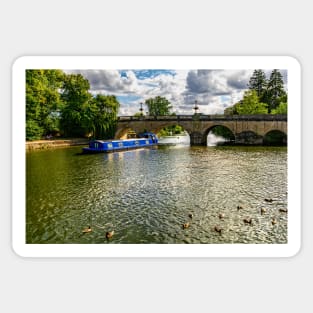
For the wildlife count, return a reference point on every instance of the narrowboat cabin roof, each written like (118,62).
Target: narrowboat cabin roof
(145,140)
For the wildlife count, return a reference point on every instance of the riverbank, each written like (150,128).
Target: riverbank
(55,143)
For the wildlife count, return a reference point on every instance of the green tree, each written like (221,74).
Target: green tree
(232,110)
(158,106)
(258,83)
(250,104)
(42,102)
(281,109)
(138,114)
(76,97)
(171,130)
(275,93)
(100,116)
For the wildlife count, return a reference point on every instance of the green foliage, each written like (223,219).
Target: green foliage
(270,93)
(250,104)
(171,131)
(76,99)
(42,101)
(100,116)
(232,110)
(138,114)
(158,106)
(258,83)
(33,130)
(56,102)
(275,93)
(281,109)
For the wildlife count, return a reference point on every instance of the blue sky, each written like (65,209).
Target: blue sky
(214,90)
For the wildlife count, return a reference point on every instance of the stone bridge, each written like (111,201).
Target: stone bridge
(246,129)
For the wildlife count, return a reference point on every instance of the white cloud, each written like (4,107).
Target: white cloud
(214,90)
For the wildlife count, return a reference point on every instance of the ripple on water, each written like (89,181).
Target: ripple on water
(146,196)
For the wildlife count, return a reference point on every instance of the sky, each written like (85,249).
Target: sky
(214,90)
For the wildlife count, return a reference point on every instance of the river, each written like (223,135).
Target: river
(146,195)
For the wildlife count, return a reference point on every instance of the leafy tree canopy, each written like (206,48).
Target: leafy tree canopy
(158,106)
(281,109)
(171,131)
(250,104)
(59,103)
(42,102)
(267,94)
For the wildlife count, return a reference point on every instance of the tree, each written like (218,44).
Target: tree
(42,102)
(76,97)
(158,106)
(100,116)
(281,109)
(275,93)
(250,104)
(232,110)
(258,83)
(171,131)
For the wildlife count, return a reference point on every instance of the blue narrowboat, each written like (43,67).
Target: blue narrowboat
(146,139)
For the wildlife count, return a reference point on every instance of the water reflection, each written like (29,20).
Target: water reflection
(147,195)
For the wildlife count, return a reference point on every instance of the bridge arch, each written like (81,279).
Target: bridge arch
(158,128)
(275,137)
(221,131)
(123,132)
(249,137)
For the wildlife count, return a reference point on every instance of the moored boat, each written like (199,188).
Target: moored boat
(146,139)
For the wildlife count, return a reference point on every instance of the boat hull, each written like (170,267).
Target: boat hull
(107,146)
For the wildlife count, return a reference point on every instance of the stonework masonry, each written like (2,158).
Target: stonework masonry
(247,129)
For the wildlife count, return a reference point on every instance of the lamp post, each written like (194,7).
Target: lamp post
(196,108)
(141,109)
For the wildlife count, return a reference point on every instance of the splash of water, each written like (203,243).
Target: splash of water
(213,140)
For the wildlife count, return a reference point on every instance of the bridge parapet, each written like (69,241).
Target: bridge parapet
(203,117)
(249,129)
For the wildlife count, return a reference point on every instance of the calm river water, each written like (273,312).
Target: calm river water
(146,195)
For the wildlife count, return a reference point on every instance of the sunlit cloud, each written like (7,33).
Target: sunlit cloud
(214,90)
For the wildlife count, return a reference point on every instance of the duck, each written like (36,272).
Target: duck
(283,210)
(248,220)
(190,215)
(87,230)
(239,207)
(263,211)
(218,229)
(109,234)
(268,199)
(186,225)
(221,216)
(274,221)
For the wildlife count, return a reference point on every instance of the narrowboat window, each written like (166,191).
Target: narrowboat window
(110,145)
(136,142)
(147,142)
(120,144)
